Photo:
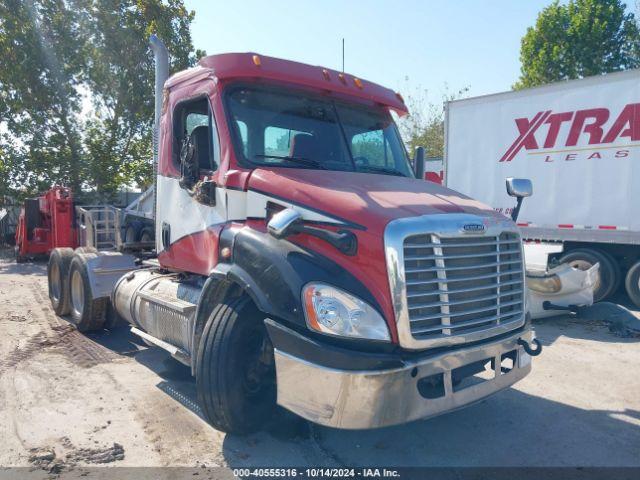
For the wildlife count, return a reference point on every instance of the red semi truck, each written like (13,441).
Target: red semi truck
(301,263)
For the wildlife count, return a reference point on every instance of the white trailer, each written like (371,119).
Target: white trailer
(579,142)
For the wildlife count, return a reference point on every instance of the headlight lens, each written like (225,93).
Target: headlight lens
(544,284)
(335,312)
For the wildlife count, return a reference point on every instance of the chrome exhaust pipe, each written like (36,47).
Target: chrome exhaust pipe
(161,58)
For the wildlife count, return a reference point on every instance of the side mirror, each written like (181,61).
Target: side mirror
(284,223)
(418,163)
(519,188)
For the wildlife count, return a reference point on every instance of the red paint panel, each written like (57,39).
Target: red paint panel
(365,199)
(196,253)
(565,225)
(607,227)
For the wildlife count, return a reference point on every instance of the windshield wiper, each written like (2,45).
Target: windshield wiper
(383,170)
(302,161)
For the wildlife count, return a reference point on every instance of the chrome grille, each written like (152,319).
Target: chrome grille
(460,285)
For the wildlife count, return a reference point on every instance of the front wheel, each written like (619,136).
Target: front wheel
(235,372)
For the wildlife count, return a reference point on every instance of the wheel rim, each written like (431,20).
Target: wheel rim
(54,283)
(77,294)
(584,266)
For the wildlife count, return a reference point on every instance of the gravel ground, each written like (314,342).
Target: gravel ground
(69,401)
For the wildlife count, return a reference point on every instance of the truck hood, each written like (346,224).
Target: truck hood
(362,199)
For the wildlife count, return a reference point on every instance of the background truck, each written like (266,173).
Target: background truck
(578,142)
(53,220)
(301,263)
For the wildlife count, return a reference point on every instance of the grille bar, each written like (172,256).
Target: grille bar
(465,290)
(459,283)
(466,267)
(468,300)
(468,323)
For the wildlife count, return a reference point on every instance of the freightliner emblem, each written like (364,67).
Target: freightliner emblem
(473,228)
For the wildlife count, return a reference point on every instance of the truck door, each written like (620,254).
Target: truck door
(190,206)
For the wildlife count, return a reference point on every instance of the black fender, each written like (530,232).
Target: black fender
(273,273)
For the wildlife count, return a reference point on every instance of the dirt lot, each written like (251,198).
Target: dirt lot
(69,400)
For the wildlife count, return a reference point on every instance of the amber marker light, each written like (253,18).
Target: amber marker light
(256,60)
(325,74)
(342,79)
(358,82)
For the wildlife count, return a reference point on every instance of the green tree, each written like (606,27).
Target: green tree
(578,39)
(76,89)
(424,125)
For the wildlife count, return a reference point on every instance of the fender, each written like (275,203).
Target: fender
(273,272)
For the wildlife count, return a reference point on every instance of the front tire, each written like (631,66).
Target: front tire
(235,372)
(58,279)
(87,313)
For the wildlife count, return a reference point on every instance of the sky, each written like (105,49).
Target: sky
(406,45)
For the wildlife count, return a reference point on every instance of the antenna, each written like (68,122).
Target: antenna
(343,55)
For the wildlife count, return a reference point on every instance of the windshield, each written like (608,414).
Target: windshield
(284,129)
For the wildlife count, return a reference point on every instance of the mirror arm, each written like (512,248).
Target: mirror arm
(344,240)
(516,211)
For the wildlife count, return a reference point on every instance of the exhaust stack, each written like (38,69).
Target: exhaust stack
(161,57)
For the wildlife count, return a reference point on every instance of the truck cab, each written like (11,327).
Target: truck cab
(301,263)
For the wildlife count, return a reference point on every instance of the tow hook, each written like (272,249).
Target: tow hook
(527,347)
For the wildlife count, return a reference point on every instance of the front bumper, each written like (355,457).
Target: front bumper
(358,399)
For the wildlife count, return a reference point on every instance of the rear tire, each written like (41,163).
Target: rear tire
(618,276)
(584,259)
(58,279)
(235,371)
(632,283)
(87,313)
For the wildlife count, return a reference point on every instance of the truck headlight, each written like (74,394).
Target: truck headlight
(544,283)
(333,311)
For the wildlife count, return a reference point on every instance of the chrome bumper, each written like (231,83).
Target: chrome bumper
(379,398)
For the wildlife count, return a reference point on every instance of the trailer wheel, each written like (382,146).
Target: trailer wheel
(618,276)
(57,279)
(87,313)
(632,283)
(584,259)
(146,235)
(235,371)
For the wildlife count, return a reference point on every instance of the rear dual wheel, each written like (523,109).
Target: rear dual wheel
(57,276)
(87,313)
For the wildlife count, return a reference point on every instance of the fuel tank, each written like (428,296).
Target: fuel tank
(162,305)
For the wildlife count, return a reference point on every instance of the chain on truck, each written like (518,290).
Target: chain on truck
(300,262)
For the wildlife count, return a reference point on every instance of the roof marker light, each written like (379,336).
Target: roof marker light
(342,79)
(256,60)
(358,82)
(325,74)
